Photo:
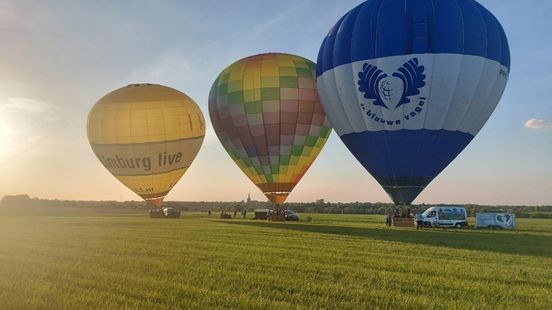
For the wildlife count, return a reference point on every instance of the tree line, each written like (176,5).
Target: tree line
(320,206)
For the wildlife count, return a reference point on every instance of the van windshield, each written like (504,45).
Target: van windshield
(432,213)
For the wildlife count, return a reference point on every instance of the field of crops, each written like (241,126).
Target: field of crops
(74,258)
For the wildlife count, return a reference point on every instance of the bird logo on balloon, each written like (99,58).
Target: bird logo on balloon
(391,92)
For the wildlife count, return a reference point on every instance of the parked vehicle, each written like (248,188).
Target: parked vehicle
(164,213)
(495,220)
(261,214)
(171,213)
(445,217)
(291,216)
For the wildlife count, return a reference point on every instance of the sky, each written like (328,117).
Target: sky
(57,58)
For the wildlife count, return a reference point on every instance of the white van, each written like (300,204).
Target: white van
(445,217)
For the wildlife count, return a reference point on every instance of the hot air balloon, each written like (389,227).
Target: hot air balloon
(146,136)
(407,84)
(266,113)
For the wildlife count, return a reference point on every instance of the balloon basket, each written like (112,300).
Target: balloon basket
(156,213)
(403,222)
(277,218)
(225,216)
(164,213)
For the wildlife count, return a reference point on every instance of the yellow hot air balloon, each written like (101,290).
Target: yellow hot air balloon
(147,136)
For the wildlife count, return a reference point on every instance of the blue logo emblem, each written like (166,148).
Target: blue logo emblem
(391,92)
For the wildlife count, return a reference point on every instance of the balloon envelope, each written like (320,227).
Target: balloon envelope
(266,112)
(146,136)
(408,84)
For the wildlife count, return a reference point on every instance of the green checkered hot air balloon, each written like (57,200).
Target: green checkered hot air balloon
(266,113)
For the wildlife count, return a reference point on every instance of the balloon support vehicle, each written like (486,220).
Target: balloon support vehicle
(445,217)
(164,213)
(495,220)
(272,215)
(291,216)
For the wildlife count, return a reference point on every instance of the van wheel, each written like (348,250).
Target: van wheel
(458,225)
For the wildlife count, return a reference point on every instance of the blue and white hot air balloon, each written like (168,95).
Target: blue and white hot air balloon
(407,84)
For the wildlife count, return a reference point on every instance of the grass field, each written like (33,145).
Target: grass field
(75,258)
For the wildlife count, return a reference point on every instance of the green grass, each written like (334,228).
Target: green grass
(86,258)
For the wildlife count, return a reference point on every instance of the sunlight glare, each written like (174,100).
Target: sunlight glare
(5,134)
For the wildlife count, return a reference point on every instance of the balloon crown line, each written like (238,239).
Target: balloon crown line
(141,84)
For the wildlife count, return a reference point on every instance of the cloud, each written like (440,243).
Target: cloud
(26,125)
(26,105)
(538,124)
(29,112)
(168,66)
(279,18)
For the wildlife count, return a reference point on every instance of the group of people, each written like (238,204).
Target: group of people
(280,213)
(399,213)
(224,214)
(404,213)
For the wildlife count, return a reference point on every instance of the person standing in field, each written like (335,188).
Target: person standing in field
(388,220)
(419,221)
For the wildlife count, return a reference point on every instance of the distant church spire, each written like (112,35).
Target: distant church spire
(248,197)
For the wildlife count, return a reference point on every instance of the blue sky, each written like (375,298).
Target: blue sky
(57,58)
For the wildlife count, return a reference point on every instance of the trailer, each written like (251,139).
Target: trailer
(495,220)
(261,214)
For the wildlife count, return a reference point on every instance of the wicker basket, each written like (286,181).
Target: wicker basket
(278,218)
(403,222)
